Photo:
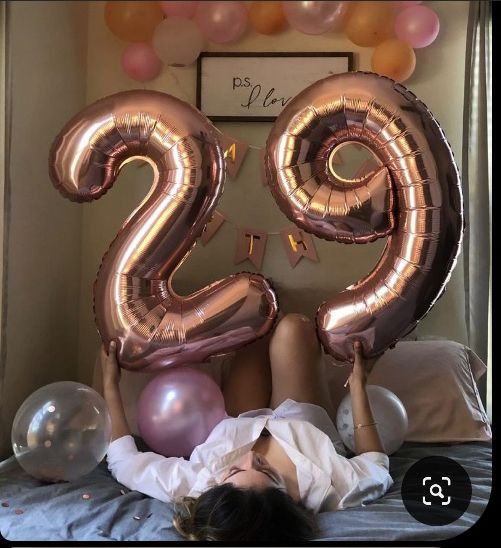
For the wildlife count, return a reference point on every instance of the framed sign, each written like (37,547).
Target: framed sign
(255,87)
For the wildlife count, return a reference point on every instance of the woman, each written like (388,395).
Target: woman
(275,460)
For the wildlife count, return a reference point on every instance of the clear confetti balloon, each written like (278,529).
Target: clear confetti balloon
(61,432)
(389,413)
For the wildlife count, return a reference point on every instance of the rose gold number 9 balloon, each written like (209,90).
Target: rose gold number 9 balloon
(414,198)
(133,297)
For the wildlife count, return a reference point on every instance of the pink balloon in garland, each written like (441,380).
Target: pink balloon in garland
(140,62)
(315,17)
(180,9)
(221,22)
(417,25)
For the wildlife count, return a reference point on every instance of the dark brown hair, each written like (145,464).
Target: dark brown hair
(229,513)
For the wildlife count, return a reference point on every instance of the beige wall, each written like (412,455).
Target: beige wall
(42,253)
(438,81)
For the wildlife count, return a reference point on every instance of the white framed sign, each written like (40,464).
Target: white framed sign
(256,86)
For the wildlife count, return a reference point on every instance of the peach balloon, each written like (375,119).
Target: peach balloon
(267,17)
(395,59)
(370,23)
(133,21)
(140,62)
(178,41)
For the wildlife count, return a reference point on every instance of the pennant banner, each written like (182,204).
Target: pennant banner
(212,227)
(251,244)
(298,244)
(234,153)
(262,154)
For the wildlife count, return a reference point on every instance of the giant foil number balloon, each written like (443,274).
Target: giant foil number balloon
(414,198)
(133,298)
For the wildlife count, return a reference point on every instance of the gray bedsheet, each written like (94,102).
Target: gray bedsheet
(97,508)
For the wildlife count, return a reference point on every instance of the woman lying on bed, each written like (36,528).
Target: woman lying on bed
(275,461)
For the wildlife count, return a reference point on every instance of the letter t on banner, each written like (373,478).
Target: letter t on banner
(251,244)
(298,244)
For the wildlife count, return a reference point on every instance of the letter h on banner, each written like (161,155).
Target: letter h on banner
(298,244)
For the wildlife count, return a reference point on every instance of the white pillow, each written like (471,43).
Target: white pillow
(436,381)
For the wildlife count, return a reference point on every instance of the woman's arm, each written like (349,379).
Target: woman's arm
(365,430)
(111,392)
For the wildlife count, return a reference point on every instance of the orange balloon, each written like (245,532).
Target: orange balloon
(370,23)
(266,17)
(395,59)
(133,21)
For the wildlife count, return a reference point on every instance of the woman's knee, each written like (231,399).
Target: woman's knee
(295,328)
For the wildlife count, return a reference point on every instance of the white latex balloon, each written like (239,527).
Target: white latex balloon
(177,41)
(389,413)
(61,432)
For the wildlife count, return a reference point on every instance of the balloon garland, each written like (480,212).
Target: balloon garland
(174,33)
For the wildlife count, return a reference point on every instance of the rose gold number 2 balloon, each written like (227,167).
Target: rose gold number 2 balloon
(414,198)
(133,297)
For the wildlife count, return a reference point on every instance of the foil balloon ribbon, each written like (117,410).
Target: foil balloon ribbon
(413,198)
(134,302)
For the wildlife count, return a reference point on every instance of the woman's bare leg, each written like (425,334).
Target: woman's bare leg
(248,383)
(296,364)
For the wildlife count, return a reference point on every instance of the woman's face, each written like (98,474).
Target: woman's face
(252,470)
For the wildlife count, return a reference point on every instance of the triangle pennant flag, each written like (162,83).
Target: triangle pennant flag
(212,227)
(298,244)
(234,153)
(251,245)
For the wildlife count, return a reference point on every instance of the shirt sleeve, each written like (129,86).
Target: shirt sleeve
(362,479)
(164,478)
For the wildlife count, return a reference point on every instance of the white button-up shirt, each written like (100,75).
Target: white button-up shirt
(326,480)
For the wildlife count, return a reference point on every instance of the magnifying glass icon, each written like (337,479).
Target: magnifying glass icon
(436,492)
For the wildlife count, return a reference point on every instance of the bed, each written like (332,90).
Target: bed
(97,508)
(446,418)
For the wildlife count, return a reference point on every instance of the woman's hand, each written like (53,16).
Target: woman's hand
(364,426)
(361,366)
(111,391)
(109,366)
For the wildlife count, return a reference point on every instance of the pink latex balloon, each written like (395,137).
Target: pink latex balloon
(140,62)
(181,9)
(221,22)
(417,25)
(177,411)
(315,17)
